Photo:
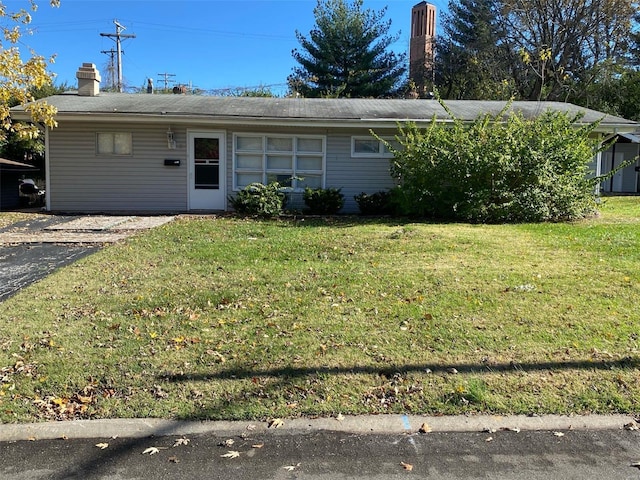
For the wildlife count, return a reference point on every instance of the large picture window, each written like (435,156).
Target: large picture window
(292,161)
(110,143)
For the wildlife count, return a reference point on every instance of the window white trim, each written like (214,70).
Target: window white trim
(114,143)
(380,152)
(256,159)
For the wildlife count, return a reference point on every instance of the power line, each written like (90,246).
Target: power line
(112,66)
(165,78)
(118,36)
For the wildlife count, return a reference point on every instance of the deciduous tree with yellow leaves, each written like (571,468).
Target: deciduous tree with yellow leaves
(19,75)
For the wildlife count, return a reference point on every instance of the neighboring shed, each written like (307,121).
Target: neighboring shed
(625,149)
(10,174)
(157,153)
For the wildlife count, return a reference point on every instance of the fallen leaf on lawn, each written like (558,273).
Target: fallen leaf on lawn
(452,370)
(151,451)
(511,429)
(339,417)
(276,423)
(226,443)
(407,466)
(181,441)
(291,468)
(558,434)
(489,439)
(231,454)
(102,446)
(257,445)
(425,428)
(631,426)
(174,460)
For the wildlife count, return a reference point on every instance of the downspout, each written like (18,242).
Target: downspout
(47,176)
(613,164)
(598,170)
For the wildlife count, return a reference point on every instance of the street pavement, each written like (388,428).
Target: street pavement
(368,447)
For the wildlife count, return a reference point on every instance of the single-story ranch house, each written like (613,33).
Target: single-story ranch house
(115,152)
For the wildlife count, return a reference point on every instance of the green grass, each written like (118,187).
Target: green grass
(227,318)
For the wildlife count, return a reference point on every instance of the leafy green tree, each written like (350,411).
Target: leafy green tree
(567,50)
(471,61)
(347,54)
(30,148)
(560,47)
(20,77)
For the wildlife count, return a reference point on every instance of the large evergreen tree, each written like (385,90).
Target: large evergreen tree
(347,54)
(471,61)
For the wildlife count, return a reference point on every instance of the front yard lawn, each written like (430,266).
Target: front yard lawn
(229,318)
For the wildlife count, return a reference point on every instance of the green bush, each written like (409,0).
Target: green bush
(259,199)
(378,203)
(501,168)
(323,201)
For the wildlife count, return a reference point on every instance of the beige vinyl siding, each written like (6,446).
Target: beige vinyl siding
(82,180)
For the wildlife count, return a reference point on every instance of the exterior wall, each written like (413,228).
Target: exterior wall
(352,175)
(355,174)
(80,180)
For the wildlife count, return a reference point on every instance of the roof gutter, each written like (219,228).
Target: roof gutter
(160,118)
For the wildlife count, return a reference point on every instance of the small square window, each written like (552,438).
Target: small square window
(366,146)
(114,144)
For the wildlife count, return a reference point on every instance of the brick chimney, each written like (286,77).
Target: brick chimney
(88,80)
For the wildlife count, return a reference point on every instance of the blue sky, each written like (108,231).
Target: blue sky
(210,44)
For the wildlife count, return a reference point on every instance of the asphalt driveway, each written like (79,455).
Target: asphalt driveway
(34,248)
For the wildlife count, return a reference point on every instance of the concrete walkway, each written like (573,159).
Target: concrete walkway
(32,249)
(78,229)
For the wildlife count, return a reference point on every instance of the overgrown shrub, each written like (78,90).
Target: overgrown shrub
(259,199)
(500,168)
(323,201)
(378,203)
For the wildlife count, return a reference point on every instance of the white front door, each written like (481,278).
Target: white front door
(207,180)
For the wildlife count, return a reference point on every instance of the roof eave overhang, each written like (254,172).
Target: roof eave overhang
(163,118)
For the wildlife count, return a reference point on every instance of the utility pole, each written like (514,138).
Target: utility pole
(118,38)
(165,78)
(112,67)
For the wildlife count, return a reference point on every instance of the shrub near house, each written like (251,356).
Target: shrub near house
(497,169)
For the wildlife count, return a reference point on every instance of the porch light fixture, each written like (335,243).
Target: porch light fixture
(171,142)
